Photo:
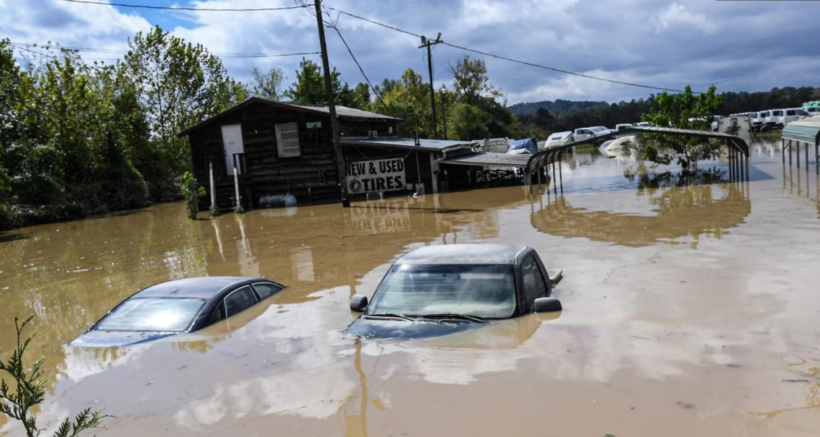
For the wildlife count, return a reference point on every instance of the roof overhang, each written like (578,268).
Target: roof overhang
(318,111)
(492,159)
(426,145)
(806,130)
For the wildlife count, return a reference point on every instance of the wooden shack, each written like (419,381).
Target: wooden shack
(261,150)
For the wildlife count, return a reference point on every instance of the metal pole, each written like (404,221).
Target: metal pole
(731,167)
(331,105)
(790,153)
(807,156)
(816,160)
(783,149)
(798,153)
(560,172)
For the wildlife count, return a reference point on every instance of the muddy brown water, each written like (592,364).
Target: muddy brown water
(688,311)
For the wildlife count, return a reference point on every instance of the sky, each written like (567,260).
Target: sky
(736,45)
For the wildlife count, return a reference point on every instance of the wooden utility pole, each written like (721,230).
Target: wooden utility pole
(334,122)
(429,43)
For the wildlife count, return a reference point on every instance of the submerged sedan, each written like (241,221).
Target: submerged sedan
(176,307)
(438,290)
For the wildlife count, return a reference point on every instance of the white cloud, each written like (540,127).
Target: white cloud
(677,14)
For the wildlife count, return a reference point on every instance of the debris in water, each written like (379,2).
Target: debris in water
(685,405)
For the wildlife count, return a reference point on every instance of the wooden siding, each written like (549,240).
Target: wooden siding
(311,177)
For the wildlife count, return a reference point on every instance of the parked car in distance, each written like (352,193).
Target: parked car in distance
(176,307)
(765,117)
(644,124)
(605,130)
(623,126)
(812,110)
(559,139)
(586,133)
(439,290)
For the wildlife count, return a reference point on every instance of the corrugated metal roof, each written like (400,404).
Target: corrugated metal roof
(806,130)
(495,159)
(343,111)
(406,143)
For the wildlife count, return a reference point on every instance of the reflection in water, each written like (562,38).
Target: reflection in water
(679,210)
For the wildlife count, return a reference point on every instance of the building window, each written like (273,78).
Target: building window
(287,138)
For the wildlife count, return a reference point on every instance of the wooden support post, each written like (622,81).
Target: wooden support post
(213,184)
(560,173)
(236,184)
(433,174)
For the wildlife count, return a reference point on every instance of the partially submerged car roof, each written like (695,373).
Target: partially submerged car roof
(203,288)
(463,254)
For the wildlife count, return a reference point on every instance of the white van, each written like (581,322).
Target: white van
(793,114)
(754,119)
(559,139)
(812,110)
(765,117)
(776,117)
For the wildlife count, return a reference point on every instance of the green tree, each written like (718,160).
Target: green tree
(309,88)
(179,84)
(29,391)
(191,192)
(267,85)
(682,111)
(9,82)
(471,82)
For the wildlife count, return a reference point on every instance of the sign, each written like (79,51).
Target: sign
(313,124)
(373,176)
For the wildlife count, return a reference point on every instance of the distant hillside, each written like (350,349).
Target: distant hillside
(555,108)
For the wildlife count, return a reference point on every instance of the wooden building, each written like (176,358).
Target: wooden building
(262,149)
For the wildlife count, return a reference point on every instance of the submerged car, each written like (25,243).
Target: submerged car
(439,290)
(176,307)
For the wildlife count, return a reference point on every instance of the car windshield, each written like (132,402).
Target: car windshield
(473,290)
(152,314)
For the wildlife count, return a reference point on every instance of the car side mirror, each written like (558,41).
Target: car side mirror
(555,276)
(358,303)
(546,305)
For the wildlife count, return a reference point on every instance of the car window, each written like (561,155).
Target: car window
(474,290)
(265,290)
(239,300)
(152,314)
(534,285)
(218,314)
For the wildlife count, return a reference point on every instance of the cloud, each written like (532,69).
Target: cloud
(748,46)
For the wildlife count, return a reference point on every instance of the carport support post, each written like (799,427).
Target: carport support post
(783,149)
(540,170)
(731,169)
(816,159)
(798,153)
(807,157)
(560,173)
(790,153)
(433,174)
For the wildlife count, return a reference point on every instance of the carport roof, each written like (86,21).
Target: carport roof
(496,159)
(806,130)
(405,143)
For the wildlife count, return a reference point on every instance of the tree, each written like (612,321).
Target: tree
(268,85)
(30,390)
(682,111)
(470,80)
(9,82)
(179,84)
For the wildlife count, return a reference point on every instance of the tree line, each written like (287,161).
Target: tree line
(79,138)
(541,118)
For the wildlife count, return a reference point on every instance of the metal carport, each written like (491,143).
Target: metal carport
(737,147)
(806,131)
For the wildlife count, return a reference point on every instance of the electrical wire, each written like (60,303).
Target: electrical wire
(505,58)
(223,55)
(181,8)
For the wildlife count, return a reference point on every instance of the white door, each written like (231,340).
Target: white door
(232,140)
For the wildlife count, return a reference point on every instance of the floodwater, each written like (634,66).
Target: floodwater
(688,311)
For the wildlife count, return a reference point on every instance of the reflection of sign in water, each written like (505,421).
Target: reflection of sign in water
(380,217)
(378,175)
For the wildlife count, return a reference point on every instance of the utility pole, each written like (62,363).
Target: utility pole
(334,122)
(429,43)
(443,114)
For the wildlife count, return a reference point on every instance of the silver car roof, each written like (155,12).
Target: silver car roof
(463,254)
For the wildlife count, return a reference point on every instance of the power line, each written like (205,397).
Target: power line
(362,71)
(531,64)
(223,55)
(181,8)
